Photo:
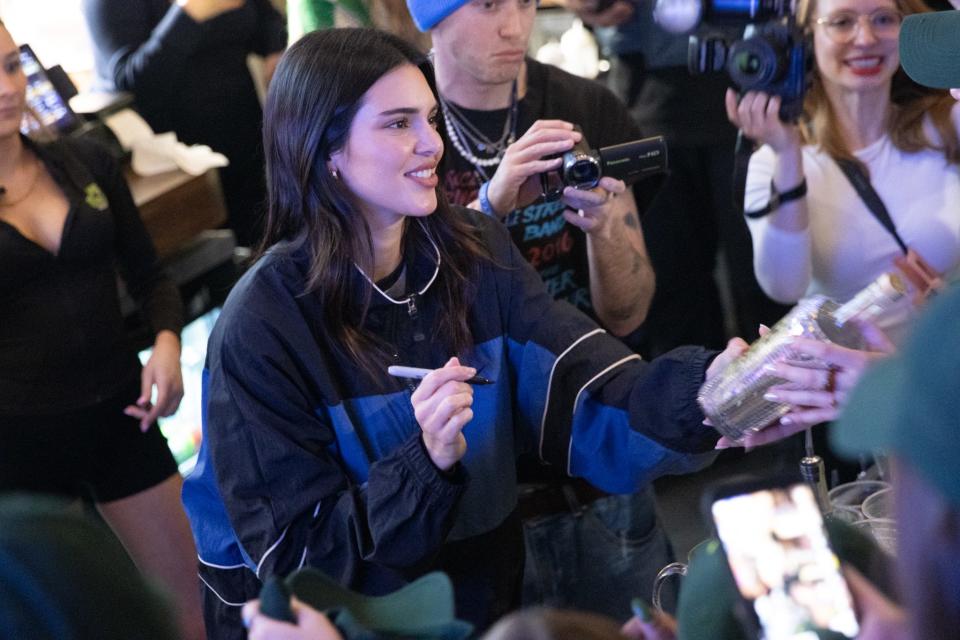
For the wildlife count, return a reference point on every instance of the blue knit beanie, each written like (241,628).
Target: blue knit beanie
(427,13)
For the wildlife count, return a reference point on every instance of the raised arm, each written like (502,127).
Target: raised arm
(781,238)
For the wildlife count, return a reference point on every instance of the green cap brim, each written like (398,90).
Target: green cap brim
(426,603)
(930,48)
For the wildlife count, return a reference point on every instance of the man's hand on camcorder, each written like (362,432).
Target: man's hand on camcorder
(590,209)
(517,180)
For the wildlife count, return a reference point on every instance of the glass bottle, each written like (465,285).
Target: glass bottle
(733,399)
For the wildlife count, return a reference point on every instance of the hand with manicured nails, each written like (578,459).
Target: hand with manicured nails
(441,405)
(591,207)
(163,372)
(817,390)
(516,182)
(757,114)
(203,10)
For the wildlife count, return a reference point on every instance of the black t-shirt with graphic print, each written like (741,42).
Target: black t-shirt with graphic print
(555,248)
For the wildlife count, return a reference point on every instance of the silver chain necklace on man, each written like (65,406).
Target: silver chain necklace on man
(465,136)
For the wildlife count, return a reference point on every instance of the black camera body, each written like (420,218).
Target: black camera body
(773,55)
(583,167)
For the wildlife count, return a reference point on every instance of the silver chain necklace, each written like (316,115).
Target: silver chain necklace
(459,127)
(408,299)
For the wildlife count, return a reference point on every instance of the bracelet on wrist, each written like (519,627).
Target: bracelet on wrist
(777,198)
(484,198)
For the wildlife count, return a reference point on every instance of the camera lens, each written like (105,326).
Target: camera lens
(583,174)
(755,63)
(581,170)
(747,62)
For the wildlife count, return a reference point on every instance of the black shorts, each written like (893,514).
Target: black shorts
(96,453)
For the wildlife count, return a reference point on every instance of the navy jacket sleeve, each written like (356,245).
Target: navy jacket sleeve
(593,407)
(287,494)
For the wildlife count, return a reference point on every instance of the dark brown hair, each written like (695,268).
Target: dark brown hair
(909,104)
(313,97)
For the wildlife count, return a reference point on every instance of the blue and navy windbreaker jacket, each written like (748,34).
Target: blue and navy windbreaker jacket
(305,461)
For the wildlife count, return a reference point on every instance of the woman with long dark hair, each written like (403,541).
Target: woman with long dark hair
(312,453)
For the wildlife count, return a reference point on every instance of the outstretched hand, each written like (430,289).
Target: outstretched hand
(816,387)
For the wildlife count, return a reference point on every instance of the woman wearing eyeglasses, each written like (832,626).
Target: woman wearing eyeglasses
(863,111)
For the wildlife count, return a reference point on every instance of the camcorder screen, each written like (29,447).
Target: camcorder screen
(48,105)
(782,563)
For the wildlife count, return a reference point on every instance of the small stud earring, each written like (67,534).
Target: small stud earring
(335,174)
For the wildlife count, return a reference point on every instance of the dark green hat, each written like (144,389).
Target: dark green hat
(910,404)
(66,577)
(930,48)
(422,609)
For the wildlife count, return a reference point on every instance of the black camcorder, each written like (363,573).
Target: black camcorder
(583,167)
(773,56)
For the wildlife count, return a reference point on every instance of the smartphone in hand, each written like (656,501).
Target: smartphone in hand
(788,577)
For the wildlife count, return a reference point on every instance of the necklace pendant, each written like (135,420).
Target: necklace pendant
(481,146)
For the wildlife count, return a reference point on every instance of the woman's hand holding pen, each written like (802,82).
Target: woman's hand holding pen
(441,405)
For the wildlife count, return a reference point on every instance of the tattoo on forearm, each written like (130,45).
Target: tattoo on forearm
(631,220)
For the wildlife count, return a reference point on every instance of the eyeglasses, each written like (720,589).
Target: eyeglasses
(842,27)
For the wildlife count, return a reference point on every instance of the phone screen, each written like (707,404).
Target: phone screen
(782,563)
(43,98)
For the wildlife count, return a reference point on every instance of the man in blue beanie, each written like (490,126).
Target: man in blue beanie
(504,113)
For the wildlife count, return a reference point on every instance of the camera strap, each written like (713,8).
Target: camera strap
(741,162)
(871,198)
(924,278)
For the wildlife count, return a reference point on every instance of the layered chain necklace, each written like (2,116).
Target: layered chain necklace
(465,136)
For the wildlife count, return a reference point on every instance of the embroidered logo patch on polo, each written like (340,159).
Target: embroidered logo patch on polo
(95,197)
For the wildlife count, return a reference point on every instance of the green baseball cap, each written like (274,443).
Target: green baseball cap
(909,405)
(65,575)
(422,609)
(930,48)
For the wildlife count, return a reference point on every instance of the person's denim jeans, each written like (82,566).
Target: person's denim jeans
(597,558)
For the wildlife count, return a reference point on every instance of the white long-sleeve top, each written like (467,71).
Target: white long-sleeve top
(845,247)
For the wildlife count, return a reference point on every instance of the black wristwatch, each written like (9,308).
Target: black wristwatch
(776,199)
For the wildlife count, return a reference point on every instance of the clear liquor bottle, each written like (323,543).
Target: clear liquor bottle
(734,400)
